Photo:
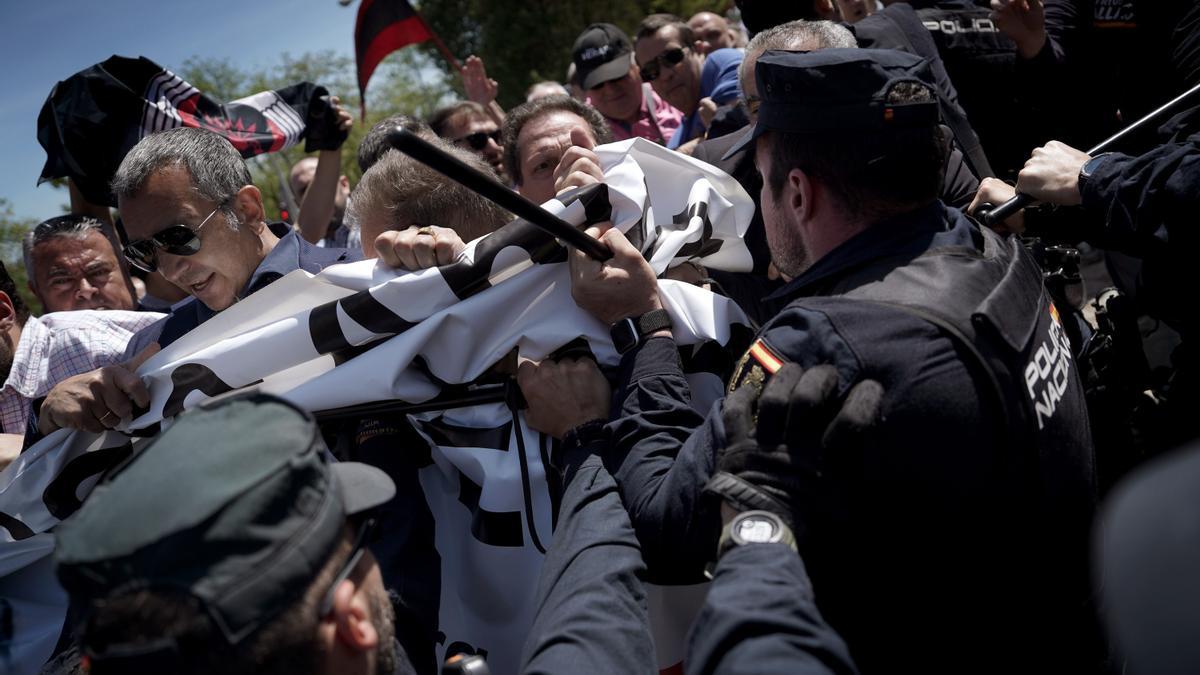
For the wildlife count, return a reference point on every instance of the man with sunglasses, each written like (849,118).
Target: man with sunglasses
(468,125)
(190,212)
(665,51)
(257,563)
(604,67)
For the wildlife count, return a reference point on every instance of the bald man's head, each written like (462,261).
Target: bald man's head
(712,32)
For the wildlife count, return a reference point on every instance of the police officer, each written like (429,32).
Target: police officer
(232,544)
(954,537)
(759,614)
(1142,206)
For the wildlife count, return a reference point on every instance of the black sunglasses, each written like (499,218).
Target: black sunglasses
(174,239)
(365,532)
(479,139)
(670,57)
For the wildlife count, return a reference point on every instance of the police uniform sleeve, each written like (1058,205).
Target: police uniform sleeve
(661,455)
(591,605)
(1146,199)
(760,617)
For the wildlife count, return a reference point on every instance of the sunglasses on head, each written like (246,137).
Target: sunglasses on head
(174,239)
(653,68)
(479,139)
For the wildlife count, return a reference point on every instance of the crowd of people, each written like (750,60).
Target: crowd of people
(921,463)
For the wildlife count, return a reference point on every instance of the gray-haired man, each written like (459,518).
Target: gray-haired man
(73,263)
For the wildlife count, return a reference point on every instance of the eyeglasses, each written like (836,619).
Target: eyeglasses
(479,139)
(174,239)
(670,57)
(356,553)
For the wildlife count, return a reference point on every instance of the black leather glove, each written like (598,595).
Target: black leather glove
(321,130)
(776,464)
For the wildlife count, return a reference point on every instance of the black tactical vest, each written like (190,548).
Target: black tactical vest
(990,300)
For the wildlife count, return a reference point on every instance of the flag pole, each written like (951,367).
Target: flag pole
(441,46)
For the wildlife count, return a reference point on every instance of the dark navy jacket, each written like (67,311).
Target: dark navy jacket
(759,616)
(930,555)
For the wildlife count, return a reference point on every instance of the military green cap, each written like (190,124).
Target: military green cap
(238,504)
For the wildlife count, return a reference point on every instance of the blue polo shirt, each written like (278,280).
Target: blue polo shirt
(291,253)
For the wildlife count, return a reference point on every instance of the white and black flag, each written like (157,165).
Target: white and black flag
(361,333)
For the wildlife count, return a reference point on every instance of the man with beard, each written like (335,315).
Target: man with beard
(257,562)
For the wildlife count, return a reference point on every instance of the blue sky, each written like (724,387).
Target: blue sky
(44,41)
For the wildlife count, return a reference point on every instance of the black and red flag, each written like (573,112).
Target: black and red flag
(385,26)
(92,119)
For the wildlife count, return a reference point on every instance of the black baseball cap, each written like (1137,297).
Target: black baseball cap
(238,504)
(601,53)
(838,89)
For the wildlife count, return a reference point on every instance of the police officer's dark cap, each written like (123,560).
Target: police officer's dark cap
(601,53)
(832,90)
(236,504)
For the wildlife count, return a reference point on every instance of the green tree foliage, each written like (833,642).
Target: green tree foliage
(405,82)
(12,230)
(525,42)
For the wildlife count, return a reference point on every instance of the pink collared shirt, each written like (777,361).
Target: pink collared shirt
(59,345)
(658,128)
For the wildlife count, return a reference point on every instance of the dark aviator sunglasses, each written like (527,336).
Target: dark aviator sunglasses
(174,239)
(653,68)
(479,139)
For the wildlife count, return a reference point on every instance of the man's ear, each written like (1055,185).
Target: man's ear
(802,195)
(352,618)
(8,313)
(248,204)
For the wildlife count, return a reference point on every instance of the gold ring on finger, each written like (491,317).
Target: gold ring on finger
(426,230)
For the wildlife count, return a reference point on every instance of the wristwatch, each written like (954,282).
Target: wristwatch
(1089,167)
(632,331)
(755,527)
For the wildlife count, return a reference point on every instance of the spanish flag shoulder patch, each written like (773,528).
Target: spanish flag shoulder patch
(755,367)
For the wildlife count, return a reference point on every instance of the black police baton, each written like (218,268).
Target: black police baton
(990,216)
(450,166)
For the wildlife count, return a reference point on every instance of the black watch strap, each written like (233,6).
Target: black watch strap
(630,332)
(1088,168)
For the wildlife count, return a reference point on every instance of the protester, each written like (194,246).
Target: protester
(880,282)
(223,252)
(605,67)
(712,32)
(263,569)
(321,190)
(537,135)
(72,263)
(37,353)
(414,202)
(685,78)
(545,88)
(375,144)
(468,125)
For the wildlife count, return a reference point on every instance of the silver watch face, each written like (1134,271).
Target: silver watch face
(755,529)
